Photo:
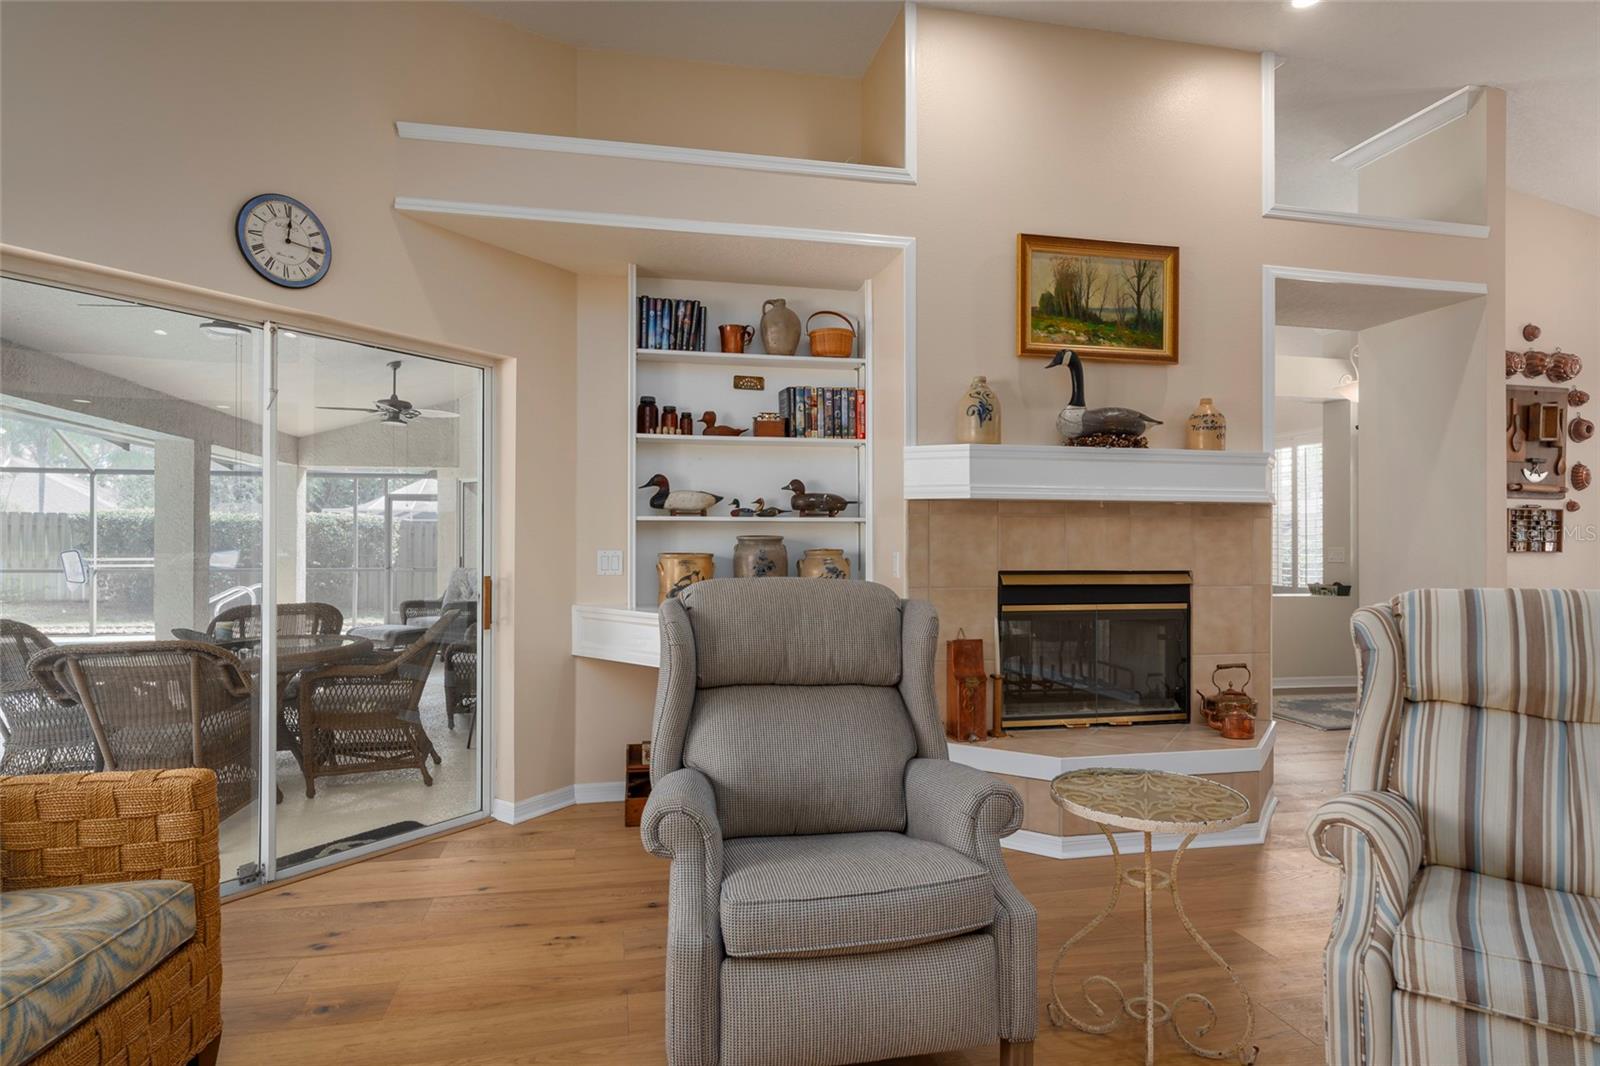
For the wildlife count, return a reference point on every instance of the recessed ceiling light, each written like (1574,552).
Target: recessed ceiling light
(1301,5)
(159,332)
(224,407)
(80,399)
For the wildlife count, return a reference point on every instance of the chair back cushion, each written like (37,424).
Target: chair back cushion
(1530,651)
(788,759)
(794,631)
(1499,734)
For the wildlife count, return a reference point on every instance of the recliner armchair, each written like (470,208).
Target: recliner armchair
(837,891)
(1468,928)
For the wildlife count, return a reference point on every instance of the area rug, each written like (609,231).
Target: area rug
(1327,713)
(343,844)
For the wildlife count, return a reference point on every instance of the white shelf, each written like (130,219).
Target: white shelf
(616,634)
(837,520)
(754,442)
(747,359)
(1045,472)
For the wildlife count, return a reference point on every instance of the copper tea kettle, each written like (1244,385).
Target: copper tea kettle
(1230,710)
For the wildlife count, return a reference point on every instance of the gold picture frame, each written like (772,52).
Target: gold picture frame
(1103,299)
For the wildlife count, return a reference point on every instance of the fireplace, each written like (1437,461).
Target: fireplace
(1083,647)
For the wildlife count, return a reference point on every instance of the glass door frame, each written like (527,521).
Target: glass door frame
(34,268)
(267,721)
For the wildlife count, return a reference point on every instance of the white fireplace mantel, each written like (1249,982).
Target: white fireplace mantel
(1055,472)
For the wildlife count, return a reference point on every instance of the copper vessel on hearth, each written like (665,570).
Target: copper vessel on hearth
(1225,701)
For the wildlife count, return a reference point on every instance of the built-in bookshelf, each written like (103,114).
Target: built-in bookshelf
(745,467)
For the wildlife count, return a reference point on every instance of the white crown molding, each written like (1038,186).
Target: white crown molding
(653,153)
(1350,218)
(1239,759)
(1083,847)
(1413,127)
(1053,472)
(616,634)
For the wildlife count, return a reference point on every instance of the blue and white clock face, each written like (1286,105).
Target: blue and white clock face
(284,240)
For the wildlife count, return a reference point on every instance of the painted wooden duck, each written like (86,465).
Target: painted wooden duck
(683,501)
(814,504)
(763,511)
(742,512)
(1076,420)
(714,430)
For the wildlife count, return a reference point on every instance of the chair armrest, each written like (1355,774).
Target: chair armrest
(680,823)
(958,806)
(78,829)
(968,811)
(681,815)
(1386,825)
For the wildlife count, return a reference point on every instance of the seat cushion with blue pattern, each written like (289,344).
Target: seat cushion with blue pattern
(66,952)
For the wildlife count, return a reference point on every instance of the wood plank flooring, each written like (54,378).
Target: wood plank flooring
(545,943)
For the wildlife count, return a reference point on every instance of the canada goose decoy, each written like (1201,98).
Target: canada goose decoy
(763,511)
(683,501)
(813,504)
(1076,420)
(714,430)
(742,512)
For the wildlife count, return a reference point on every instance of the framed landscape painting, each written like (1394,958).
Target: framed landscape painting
(1102,299)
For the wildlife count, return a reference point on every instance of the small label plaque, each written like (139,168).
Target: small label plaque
(750,382)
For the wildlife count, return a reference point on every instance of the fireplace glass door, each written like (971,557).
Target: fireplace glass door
(1077,653)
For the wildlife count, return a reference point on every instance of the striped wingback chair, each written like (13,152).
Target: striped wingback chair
(1468,928)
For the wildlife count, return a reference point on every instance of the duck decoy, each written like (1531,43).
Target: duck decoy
(743,512)
(812,504)
(1076,420)
(763,511)
(683,501)
(714,430)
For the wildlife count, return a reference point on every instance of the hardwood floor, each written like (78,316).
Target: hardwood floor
(544,943)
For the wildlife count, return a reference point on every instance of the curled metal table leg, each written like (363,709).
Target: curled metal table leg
(1241,1049)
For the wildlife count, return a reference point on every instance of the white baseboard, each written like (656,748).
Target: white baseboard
(1313,682)
(549,802)
(532,807)
(1083,847)
(600,791)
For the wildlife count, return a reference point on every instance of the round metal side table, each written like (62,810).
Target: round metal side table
(1149,802)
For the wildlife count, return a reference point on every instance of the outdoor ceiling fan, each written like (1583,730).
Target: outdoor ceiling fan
(392,410)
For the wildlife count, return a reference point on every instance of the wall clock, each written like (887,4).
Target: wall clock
(284,240)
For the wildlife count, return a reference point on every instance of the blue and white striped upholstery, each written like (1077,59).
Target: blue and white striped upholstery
(1471,840)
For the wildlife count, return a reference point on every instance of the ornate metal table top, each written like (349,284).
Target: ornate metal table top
(1150,801)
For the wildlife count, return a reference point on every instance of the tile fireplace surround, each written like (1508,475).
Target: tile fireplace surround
(954,551)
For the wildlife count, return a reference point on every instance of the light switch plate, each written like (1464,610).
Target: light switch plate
(608,563)
(1335,555)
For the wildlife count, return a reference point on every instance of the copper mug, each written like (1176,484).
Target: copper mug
(735,337)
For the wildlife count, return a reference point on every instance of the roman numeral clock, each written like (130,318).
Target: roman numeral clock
(284,240)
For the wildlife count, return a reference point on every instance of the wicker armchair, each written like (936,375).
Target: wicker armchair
(162,704)
(81,829)
(41,735)
(360,717)
(294,620)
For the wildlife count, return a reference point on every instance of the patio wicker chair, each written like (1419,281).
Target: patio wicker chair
(41,735)
(294,620)
(159,705)
(363,716)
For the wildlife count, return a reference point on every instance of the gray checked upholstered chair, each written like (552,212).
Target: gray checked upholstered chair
(1468,929)
(837,892)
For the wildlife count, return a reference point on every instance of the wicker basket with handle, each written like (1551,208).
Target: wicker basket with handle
(832,341)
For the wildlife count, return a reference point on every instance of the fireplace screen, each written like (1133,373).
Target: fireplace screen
(1093,647)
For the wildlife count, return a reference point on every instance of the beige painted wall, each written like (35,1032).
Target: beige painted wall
(132,135)
(1440,175)
(1553,279)
(1423,451)
(654,100)
(883,101)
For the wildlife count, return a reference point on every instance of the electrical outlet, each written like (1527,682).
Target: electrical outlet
(608,563)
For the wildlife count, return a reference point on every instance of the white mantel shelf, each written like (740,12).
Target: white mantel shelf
(616,634)
(1056,472)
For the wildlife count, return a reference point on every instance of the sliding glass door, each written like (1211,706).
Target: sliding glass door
(298,518)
